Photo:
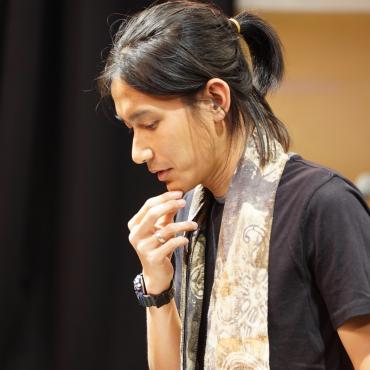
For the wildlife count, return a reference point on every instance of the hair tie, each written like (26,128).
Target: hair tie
(236,23)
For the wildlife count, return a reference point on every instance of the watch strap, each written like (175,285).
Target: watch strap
(148,300)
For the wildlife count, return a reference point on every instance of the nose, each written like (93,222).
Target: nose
(141,153)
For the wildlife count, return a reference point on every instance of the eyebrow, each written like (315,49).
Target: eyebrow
(138,114)
(134,116)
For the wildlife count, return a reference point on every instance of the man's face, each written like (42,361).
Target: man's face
(167,136)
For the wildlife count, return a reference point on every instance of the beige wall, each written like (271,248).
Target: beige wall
(325,97)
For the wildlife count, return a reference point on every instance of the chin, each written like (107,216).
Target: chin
(172,186)
(177,186)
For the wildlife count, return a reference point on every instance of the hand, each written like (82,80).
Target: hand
(157,215)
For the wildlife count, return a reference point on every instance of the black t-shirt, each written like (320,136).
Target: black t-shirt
(319,267)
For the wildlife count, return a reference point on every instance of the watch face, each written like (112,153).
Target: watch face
(138,286)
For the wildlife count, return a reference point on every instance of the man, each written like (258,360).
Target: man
(271,251)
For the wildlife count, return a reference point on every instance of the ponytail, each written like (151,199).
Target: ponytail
(265,51)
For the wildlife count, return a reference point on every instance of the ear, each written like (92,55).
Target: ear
(218,92)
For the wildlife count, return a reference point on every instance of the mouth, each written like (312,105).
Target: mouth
(163,174)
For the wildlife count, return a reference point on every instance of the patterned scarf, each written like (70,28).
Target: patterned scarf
(237,332)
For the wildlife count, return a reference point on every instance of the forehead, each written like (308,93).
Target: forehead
(129,100)
(120,90)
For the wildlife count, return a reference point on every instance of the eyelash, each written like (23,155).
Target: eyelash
(152,126)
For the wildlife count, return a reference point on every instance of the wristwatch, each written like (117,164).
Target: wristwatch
(148,300)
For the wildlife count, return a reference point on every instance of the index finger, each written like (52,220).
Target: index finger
(151,202)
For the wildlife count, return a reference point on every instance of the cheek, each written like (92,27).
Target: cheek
(181,147)
(186,143)
(200,145)
(203,150)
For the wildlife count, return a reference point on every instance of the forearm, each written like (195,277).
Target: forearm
(155,237)
(355,336)
(164,328)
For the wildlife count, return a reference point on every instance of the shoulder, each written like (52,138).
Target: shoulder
(303,173)
(313,186)
(338,218)
(323,209)
(327,192)
(338,194)
(327,199)
(335,235)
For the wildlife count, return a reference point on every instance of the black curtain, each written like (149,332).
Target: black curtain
(67,190)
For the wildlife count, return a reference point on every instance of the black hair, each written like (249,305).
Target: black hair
(174,48)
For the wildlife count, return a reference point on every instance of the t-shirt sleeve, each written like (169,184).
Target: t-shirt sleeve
(338,232)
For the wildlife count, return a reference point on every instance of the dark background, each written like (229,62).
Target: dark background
(67,189)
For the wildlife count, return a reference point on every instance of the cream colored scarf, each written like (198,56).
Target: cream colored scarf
(237,332)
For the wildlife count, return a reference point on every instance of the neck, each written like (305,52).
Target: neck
(223,173)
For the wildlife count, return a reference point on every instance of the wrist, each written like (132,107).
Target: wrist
(148,300)
(155,286)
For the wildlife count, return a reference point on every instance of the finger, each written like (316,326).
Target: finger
(167,249)
(151,202)
(168,218)
(172,229)
(154,213)
(145,246)
(164,220)
(147,226)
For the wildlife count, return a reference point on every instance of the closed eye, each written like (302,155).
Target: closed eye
(152,126)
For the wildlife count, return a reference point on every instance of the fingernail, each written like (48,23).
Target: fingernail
(181,202)
(194,224)
(177,193)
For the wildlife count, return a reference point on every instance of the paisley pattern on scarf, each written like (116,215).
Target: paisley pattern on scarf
(237,332)
(193,280)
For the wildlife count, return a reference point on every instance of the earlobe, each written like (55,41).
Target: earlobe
(218,111)
(219,92)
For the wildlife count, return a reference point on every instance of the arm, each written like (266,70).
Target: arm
(163,327)
(163,324)
(355,336)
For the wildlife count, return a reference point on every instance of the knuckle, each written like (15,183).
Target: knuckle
(152,213)
(166,197)
(131,238)
(149,203)
(140,245)
(134,229)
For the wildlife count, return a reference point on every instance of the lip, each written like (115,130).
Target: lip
(162,175)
